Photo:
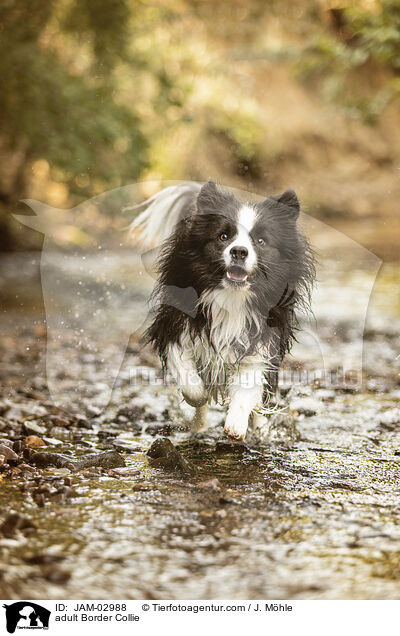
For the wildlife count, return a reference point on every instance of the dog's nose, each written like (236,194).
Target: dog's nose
(239,253)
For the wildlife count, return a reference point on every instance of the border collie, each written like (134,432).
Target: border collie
(231,276)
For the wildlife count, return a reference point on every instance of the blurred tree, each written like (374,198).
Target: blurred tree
(52,109)
(95,94)
(356,60)
(377,32)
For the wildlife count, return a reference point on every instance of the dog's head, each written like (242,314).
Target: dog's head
(239,246)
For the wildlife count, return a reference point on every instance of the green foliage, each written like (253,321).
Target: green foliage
(106,25)
(63,118)
(241,129)
(106,92)
(53,112)
(334,56)
(378,33)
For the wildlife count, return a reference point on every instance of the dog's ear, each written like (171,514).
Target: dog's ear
(208,196)
(289,200)
(209,187)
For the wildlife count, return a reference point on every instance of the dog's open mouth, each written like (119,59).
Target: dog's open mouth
(236,275)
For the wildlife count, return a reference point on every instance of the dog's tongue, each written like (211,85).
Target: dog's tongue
(237,274)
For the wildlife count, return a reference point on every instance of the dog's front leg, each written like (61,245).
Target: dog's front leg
(199,422)
(245,394)
(182,366)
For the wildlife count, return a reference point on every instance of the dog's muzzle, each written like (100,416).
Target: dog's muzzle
(237,275)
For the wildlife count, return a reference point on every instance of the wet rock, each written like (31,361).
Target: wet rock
(230,496)
(163,429)
(126,471)
(211,484)
(8,453)
(39,499)
(43,460)
(108,459)
(238,448)
(160,448)
(60,422)
(32,428)
(133,411)
(18,445)
(226,500)
(7,442)
(26,468)
(106,433)
(61,495)
(142,487)
(91,473)
(305,406)
(127,445)
(390,419)
(33,441)
(93,410)
(52,441)
(43,559)
(56,575)
(55,491)
(60,433)
(279,427)
(326,395)
(163,454)
(15,522)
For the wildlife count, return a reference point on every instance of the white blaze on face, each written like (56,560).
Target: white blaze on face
(245,223)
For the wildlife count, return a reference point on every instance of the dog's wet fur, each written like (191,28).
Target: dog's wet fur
(231,278)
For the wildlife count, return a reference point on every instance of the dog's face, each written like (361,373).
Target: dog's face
(241,244)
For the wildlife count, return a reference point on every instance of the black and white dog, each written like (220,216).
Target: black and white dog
(231,276)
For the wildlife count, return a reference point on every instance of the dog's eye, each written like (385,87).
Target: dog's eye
(261,241)
(223,237)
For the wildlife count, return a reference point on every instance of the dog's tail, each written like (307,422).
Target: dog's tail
(159,214)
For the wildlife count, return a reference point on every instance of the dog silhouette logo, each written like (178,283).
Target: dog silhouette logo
(26,615)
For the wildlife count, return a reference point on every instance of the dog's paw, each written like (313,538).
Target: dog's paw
(236,426)
(195,395)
